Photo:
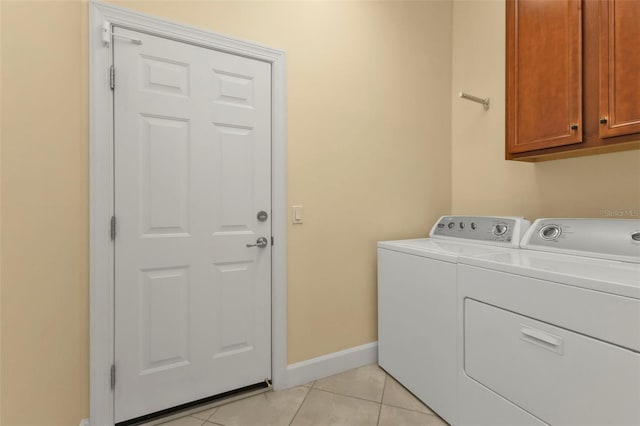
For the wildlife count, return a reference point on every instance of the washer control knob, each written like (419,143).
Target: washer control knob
(451,225)
(635,236)
(550,232)
(500,229)
(473,226)
(461,225)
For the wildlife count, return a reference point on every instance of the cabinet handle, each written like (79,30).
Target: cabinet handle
(541,336)
(542,339)
(574,127)
(603,120)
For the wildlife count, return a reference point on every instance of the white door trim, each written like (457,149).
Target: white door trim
(101,256)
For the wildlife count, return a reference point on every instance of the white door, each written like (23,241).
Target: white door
(192,169)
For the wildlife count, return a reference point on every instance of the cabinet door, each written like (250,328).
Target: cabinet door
(544,74)
(619,67)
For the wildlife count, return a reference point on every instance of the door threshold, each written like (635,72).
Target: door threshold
(190,408)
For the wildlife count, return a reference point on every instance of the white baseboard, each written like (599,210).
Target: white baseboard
(330,364)
(323,366)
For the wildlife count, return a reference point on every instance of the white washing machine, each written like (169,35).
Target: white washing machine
(417,303)
(550,334)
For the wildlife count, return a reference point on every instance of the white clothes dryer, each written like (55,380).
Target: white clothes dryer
(417,309)
(550,334)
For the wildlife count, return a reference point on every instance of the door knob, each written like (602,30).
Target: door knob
(261,242)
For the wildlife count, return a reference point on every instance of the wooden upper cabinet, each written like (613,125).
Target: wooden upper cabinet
(544,74)
(573,77)
(619,67)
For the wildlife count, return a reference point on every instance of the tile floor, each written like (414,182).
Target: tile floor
(365,396)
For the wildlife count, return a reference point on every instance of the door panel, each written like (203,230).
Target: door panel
(164,170)
(544,74)
(165,325)
(619,68)
(236,178)
(234,333)
(192,143)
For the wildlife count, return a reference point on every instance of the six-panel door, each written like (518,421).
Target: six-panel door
(192,143)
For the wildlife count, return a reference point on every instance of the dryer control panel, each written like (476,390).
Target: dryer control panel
(495,230)
(615,239)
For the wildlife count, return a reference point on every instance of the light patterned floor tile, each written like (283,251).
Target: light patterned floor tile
(184,421)
(205,414)
(393,416)
(365,382)
(322,408)
(395,394)
(267,409)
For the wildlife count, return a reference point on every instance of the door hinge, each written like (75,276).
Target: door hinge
(271,240)
(113,228)
(112,77)
(113,376)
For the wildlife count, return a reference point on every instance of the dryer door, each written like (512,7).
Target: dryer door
(559,376)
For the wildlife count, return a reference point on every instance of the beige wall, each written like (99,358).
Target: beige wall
(370,92)
(0,219)
(44,213)
(368,156)
(483,182)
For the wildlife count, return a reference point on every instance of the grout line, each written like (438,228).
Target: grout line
(195,415)
(214,411)
(411,409)
(300,406)
(349,396)
(384,389)
(431,412)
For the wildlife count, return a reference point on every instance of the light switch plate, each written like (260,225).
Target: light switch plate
(297,214)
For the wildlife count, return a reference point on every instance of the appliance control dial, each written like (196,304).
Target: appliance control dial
(461,225)
(500,229)
(635,236)
(550,232)
(451,225)
(473,226)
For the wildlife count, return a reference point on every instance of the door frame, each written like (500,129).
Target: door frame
(101,187)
